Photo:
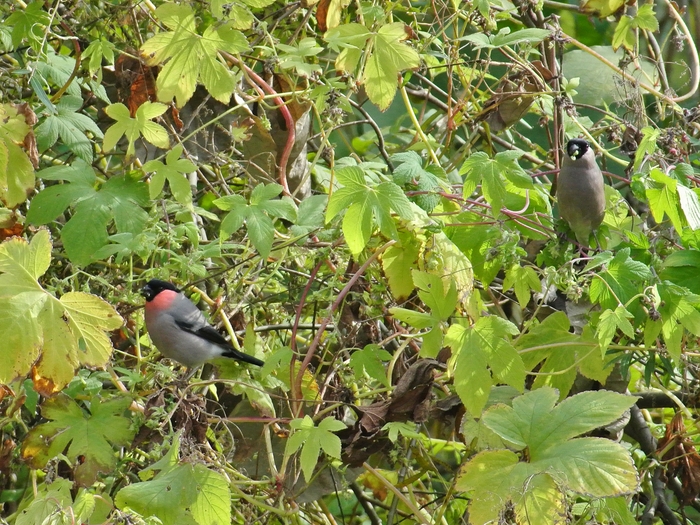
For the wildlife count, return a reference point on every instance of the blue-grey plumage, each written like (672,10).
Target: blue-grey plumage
(180,331)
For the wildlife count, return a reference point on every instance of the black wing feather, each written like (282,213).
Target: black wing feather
(207,332)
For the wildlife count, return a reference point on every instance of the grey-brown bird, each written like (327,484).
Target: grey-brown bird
(581,190)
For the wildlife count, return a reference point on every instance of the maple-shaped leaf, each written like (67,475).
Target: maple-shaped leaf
(409,172)
(85,438)
(620,281)
(493,174)
(369,360)
(560,355)
(31,22)
(664,199)
(42,334)
(586,465)
(364,203)
(16,170)
(57,69)
(121,198)
(312,439)
(67,123)
(257,215)
(237,14)
(441,298)
(485,356)
(179,494)
(97,50)
(133,128)
(175,170)
(388,56)
(189,57)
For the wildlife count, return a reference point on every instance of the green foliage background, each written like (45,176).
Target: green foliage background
(361,194)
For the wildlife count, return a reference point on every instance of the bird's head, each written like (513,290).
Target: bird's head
(154,287)
(577,148)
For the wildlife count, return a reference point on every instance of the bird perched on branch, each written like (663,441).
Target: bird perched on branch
(581,190)
(180,331)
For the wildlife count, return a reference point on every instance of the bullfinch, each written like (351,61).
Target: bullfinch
(180,331)
(581,190)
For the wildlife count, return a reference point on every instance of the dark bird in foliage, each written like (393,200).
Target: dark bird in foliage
(581,190)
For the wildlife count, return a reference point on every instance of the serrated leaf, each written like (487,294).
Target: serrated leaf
(136,127)
(592,466)
(363,202)
(623,278)
(189,57)
(89,437)
(312,440)
(16,170)
(388,58)
(186,494)
(70,126)
(53,335)
(175,171)
(369,360)
(398,261)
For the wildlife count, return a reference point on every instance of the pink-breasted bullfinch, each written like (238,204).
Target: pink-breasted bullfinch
(180,331)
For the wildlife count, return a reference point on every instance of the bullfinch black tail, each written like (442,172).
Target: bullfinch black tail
(235,354)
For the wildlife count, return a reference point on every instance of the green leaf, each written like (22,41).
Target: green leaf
(647,146)
(175,171)
(560,353)
(487,343)
(663,198)
(189,57)
(294,57)
(309,215)
(678,311)
(97,51)
(256,215)
(351,38)
(312,440)
(187,494)
(680,267)
(120,198)
(52,336)
(409,172)
(623,278)
(491,477)
(533,421)
(78,434)
(646,18)
(592,466)
(16,170)
(609,322)
(523,279)
(136,127)
(362,202)
(369,360)
(32,22)
(441,302)
(506,38)
(388,58)
(70,126)
(492,175)
(398,261)
(624,34)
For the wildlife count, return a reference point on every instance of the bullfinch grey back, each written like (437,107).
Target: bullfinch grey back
(180,331)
